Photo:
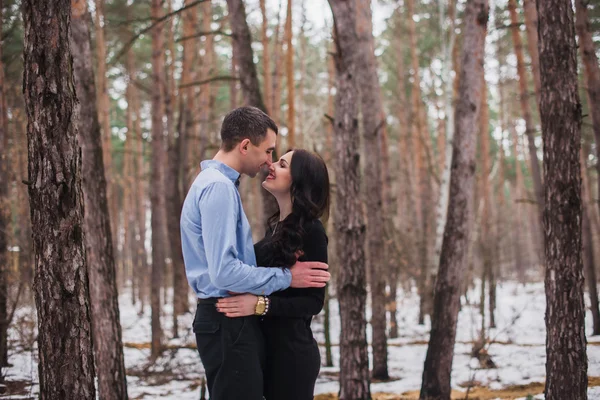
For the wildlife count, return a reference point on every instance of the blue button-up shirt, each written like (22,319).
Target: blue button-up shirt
(216,239)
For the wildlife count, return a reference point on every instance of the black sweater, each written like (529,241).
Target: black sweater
(292,302)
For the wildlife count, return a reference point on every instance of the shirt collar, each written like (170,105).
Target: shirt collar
(222,168)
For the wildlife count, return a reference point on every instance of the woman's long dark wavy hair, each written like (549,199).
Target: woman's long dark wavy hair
(310,201)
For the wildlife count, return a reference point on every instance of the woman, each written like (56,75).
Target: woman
(300,183)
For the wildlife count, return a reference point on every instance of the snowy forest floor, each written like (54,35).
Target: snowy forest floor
(516,346)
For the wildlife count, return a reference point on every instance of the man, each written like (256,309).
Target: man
(219,257)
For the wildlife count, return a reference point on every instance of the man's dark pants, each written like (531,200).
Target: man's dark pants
(232,352)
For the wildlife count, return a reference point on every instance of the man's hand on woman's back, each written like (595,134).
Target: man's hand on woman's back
(307,274)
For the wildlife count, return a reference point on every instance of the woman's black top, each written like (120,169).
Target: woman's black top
(292,354)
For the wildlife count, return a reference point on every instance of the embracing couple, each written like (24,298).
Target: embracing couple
(256,301)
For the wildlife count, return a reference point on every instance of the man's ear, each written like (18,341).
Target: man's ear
(244,146)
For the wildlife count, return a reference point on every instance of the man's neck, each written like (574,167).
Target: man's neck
(229,159)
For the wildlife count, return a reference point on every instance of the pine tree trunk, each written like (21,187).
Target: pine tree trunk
(244,60)
(590,269)
(440,352)
(419,182)
(129,244)
(591,70)
(526,109)
(289,69)
(531,26)
(486,238)
(206,93)
(66,363)
(441,210)
(566,359)
(104,117)
(373,116)
(349,222)
(157,193)
(4,217)
(267,83)
(138,192)
(588,246)
(108,346)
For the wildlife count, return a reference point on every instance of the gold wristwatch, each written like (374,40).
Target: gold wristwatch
(261,304)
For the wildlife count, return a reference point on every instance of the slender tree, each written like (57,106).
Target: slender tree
(66,363)
(349,221)
(108,347)
(566,358)
(591,69)
(244,61)
(268,86)
(104,115)
(373,116)
(438,362)
(291,82)
(157,199)
(526,108)
(4,216)
(588,248)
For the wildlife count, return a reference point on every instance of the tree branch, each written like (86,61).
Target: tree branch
(199,34)
(128,45)
(209,80)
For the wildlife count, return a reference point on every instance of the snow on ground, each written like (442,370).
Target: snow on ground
(517,348)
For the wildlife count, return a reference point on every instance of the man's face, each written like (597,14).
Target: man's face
(260,156)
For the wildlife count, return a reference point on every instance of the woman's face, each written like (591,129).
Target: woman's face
(279,180)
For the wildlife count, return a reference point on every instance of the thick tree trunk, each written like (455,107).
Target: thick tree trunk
(566,359)
(373,116)
(526,108)
(349,221)
(108,346)
(4,217)
(244,58)
(591,70)
(157,193)
(438,362)
(66,363)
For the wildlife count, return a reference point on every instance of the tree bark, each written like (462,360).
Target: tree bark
(244,56)
(524,99)
(349,220)
(440,352)
(104,117)
(531,26)
(268,86)
(291,82)
(244,60)
(157,199)
(4,216)
(591,70)
(66,363)
(108,346)
(373,116)
(566,359)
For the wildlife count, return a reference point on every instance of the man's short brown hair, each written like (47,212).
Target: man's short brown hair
(245,123)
